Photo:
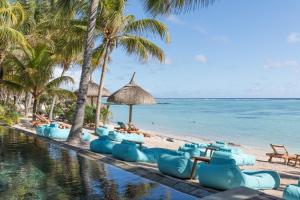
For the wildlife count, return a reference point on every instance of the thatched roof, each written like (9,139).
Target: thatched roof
(93,90)
(131,94)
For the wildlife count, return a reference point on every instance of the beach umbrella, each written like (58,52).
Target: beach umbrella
(92,92)
(131,94)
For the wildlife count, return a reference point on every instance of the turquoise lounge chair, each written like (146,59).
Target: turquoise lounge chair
(193,149)
(128,151)
(241,159)
(154,154)
(102,145)
(102,131)
(178,166)
(54,132)
(119,137)
(224,174)
(292,192)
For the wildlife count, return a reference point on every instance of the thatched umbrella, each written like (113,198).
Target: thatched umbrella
(92,92)
(131,94)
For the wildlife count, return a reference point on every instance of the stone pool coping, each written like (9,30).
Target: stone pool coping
(149,171)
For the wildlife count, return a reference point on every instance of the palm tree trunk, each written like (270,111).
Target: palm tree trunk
(100,90)
(55,97)
(34,109)
(26,104)
(76,129)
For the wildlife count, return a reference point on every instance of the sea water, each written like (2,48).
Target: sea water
(254,122)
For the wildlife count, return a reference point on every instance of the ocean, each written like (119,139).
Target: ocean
(254,122)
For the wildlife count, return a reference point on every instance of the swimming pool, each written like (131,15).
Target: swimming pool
(35,169)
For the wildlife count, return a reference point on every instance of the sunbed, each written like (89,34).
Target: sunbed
(279,151)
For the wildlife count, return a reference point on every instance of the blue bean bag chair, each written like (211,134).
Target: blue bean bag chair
(153,154)
(240,159)
(224,174)
(192,149)
(128,151)
(54,132)
(40,130)
(102,131)
(292,192)
(86,136)
(119,137)
(176,166)
(102,145)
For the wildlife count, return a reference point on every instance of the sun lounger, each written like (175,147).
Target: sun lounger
(295,159)
(292,192)
(279,151)
(224,174)
(102,145)
(178,166)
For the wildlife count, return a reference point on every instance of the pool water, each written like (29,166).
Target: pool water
(35,169)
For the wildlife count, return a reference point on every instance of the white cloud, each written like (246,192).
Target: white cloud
(270,64)
(168,61)
(201,58)
(293,37)
(175,20)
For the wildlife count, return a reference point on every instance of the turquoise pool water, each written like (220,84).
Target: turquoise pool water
(34,169)
(256,122)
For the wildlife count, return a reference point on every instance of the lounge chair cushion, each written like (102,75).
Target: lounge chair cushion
(54,132)
(240,159)
(118,137)
(291,192)
(40,130)
(227,175)
(153,154)
(192,149)
(177,166)
(128,151)
(101,131)
(102,145)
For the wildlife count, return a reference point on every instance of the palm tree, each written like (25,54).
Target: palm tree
(68,34)
(11,16)
(119,30)
(153,6)
(76,129)
(34,73)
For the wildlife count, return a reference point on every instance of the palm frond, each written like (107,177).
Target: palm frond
(12,35)
(163,7)
(60,80)
(146,26)
(143,48)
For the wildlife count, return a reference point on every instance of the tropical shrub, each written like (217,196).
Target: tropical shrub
(9,114)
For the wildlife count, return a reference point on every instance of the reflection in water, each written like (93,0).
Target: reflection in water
(34,169)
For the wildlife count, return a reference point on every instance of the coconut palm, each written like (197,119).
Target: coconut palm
(76,129)
(34,73)
(11,16)
(124,31)
(153,6)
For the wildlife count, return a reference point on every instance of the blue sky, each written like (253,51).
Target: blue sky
(230,49)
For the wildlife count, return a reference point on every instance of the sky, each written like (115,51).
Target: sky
(246,49)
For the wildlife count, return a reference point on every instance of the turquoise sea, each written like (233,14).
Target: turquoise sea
(257,122)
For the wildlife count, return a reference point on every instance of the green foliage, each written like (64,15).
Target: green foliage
(89,115)
(9,114)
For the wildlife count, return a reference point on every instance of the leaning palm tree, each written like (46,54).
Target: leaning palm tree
(124,31)
(34,73)
(76,129)
(151,6)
